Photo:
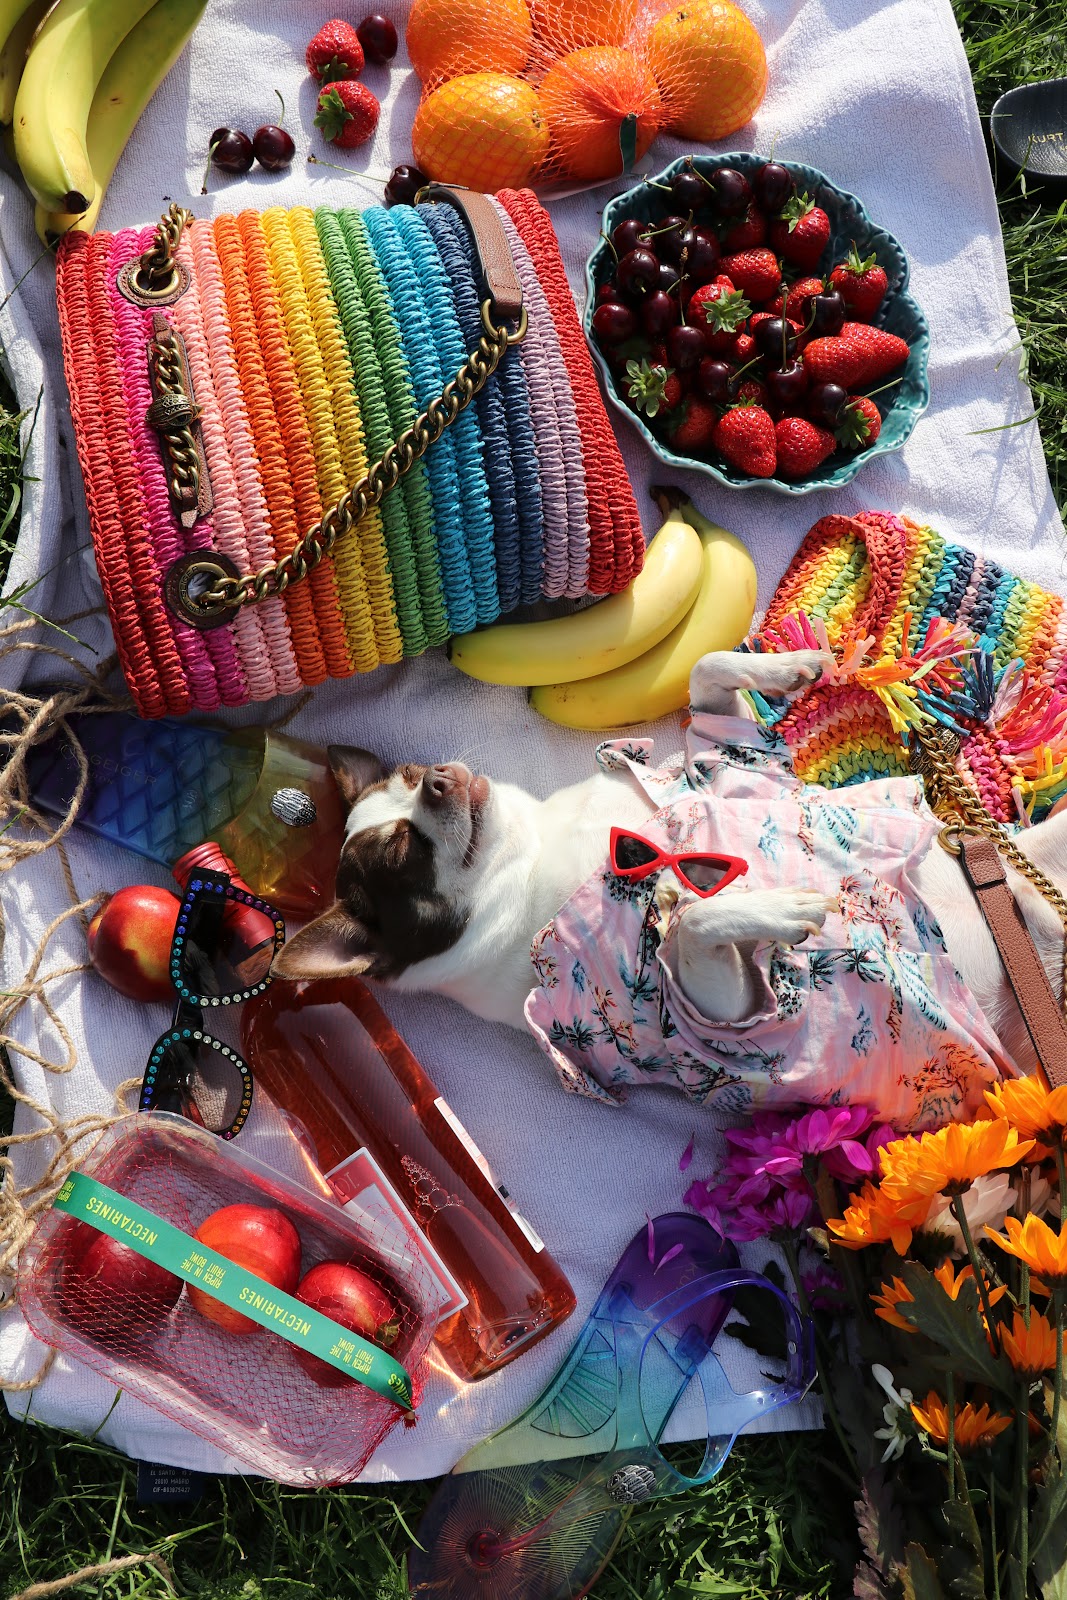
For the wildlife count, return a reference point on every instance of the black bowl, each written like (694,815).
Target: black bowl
(1028,126)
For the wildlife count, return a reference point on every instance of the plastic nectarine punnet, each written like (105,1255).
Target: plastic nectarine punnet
(115,1277)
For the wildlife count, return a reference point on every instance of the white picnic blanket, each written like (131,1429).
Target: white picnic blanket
(877,94)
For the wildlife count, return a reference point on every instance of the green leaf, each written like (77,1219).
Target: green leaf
(963,1560)
(956,1327)
(1048,1524)
(921,1581)
(879,1524)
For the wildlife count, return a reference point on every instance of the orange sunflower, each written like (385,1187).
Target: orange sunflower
(1034,1242)
(1034,1111)
(949,1161)
(1031,1350)
(875,1218)
(973,1430)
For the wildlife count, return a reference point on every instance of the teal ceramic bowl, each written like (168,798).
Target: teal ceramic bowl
(898,313)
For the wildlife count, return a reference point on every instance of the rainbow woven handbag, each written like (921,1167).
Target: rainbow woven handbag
(926,635)
(406,392)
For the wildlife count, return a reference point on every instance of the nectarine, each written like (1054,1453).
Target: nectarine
(350,1298)
(130,939)
(111,1293)
(258,1238)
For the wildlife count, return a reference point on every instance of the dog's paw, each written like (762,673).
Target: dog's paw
(786,916)
(722,671)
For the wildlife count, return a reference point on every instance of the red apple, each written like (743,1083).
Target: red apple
(130,939)
(349,1297)
(258,1238)
(111,1293)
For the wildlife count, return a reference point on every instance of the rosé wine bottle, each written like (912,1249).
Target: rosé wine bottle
(330,1057)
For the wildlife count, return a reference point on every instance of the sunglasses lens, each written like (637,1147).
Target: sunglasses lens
(704,872)
(632,852)
(227,947)
(198,1079)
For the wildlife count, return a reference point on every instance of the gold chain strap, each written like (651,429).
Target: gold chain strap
(956,803)
(172,413)
(205,591)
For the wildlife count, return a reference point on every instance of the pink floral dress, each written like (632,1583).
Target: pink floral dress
(869,1012)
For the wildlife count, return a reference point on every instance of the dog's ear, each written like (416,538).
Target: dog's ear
(335,945)
(354,770)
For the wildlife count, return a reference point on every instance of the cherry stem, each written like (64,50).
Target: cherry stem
(281,102)
(207,169)
(610,242)
(882,387)
(369,180)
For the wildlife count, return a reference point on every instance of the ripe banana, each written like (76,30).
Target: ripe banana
(130,79)
(16,32)
(65,64)
(607,634)
(657,683)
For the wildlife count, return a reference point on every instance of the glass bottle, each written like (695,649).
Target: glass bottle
(330,1057)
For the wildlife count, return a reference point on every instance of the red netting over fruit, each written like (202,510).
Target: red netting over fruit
(280,1410)
(574,90)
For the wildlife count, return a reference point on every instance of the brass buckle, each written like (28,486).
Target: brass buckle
(132,284)
(190,578)
(495,330)
(950,837)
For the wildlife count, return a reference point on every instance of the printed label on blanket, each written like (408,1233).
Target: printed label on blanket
(363,1188)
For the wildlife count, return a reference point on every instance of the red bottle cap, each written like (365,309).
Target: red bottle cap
(207,857)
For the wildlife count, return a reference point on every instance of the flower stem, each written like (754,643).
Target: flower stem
(950,1407)
(1023,1448)
(789,1250)
(1058,1373)
(1063,1182)
(959,1211)
(993,1534)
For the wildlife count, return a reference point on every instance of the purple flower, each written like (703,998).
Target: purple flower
(782,1214)
(824,1289)
(876,1141)
(832,1136)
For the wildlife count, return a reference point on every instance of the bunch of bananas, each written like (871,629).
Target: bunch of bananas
(75,76)
(628,659)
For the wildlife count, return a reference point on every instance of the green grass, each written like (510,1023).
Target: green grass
(772,1524)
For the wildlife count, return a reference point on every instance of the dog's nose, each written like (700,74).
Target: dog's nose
(442,781)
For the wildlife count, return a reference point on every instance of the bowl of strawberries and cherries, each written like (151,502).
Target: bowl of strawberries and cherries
(753,323)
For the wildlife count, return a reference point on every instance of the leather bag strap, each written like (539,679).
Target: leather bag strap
(1040,1010)
(500,280)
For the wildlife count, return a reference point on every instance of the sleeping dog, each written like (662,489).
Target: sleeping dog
(843,960)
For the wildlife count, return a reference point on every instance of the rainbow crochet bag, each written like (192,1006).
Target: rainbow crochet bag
(315,442)
(925,635)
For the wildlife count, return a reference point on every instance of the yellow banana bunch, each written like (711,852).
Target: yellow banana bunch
(57,93)
(608,634)
(19,21)
(130,79)
(657,682)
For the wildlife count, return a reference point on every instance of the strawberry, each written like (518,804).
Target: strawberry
(859,422)
(861,284)
(335,52)
(794,300)
(801,233)
(743,348)
(755,272)
(691,429)
(747,234)
(882,352)
(652,388)
(801,446)
(745,436)
(719,311)
(347,113)
(753,391)
(835,360)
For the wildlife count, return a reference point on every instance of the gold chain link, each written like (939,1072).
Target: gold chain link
(157,269)
(182,453)
(957,805)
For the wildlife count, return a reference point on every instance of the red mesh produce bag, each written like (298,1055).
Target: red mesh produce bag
(248,1390)
(574,90)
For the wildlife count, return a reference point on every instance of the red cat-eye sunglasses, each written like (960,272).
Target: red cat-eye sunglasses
(703,871)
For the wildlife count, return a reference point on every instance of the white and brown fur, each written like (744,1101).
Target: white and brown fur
(445,878)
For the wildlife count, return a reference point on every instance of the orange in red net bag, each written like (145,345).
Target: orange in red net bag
(574,90)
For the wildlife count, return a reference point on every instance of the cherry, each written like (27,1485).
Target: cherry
(638,273)
(732,191)
(715,379)
(273,147)
(669,276)
(404,184)
(769,338)
(827,314)
(614,323)
(702,257)
(628,235)
(670,237)
(378,37)
(685,346)
(825,402)
(688,190)
(787,386)
(774,186)
(607,292)
(659,313)
(231,151)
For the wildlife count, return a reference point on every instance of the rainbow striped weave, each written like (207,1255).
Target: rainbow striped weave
(313,340)
(922,630)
